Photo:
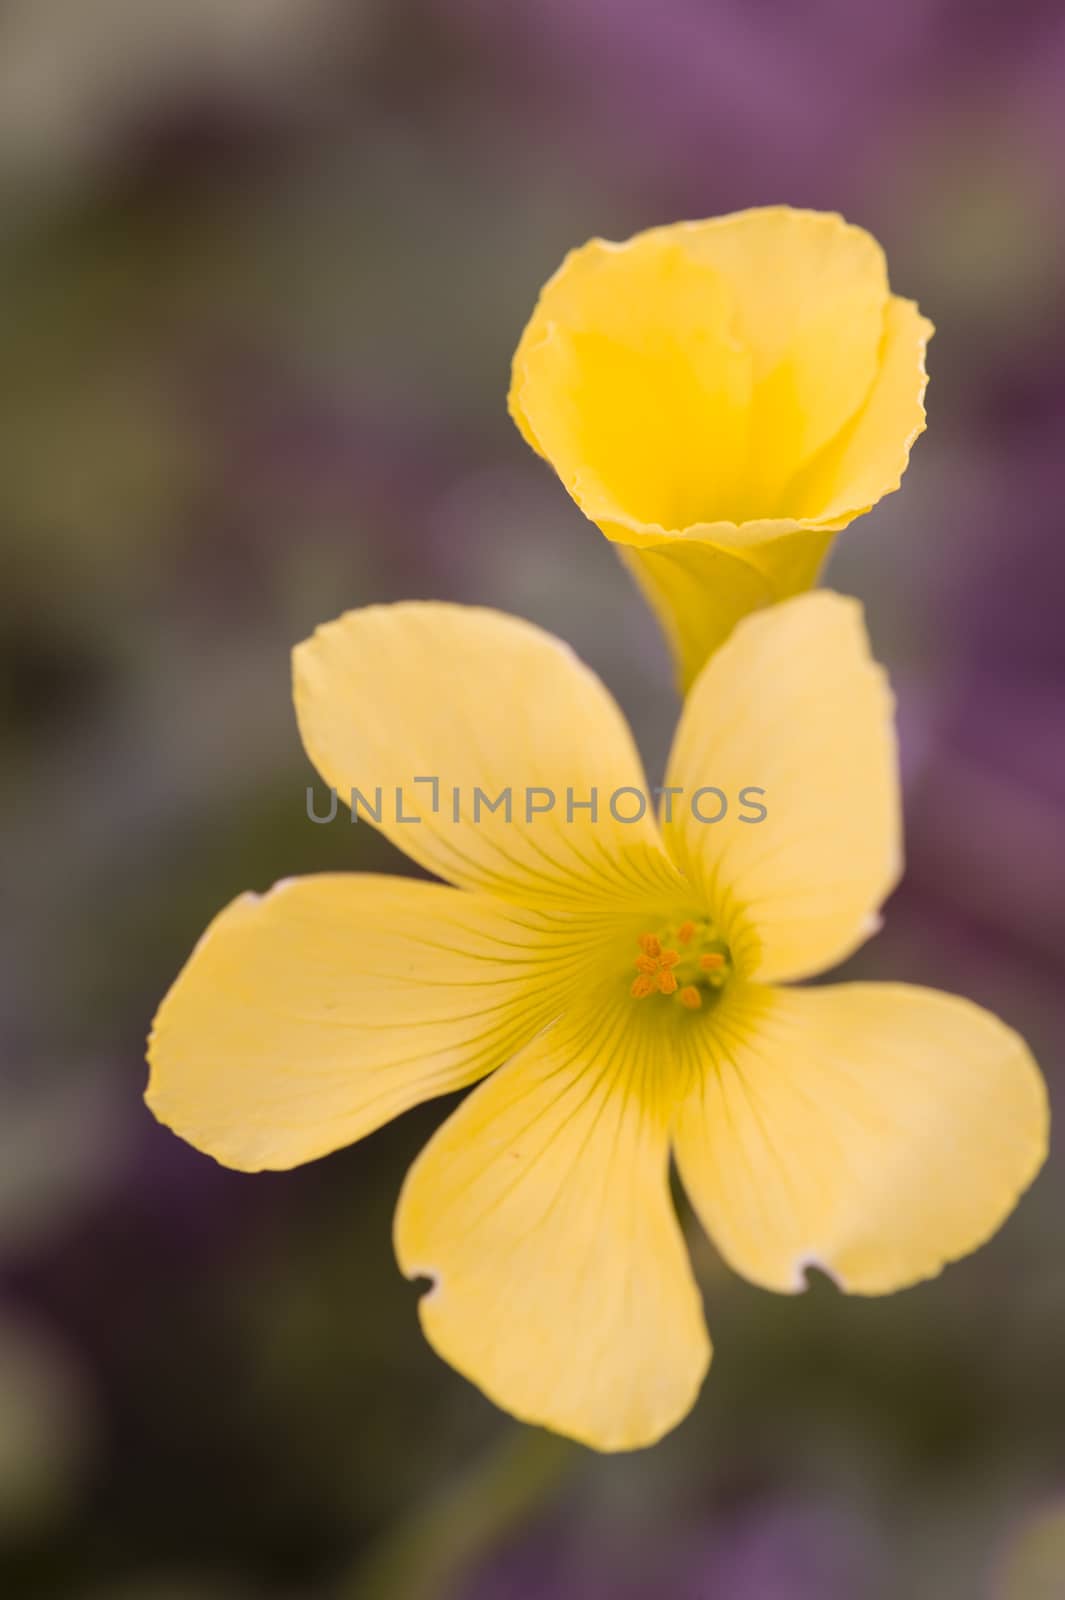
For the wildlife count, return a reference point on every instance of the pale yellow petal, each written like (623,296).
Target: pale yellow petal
(629,380)
(867,459)
(436,713)
(542,1212)
(810,292)
(874,1131)
(309,1016)
(793,706)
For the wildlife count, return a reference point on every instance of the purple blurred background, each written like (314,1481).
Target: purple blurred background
(262,267)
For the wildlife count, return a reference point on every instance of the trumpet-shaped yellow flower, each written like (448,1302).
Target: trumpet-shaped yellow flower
(720,398)
(618,980)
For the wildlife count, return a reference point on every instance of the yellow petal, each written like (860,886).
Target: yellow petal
(454,709)
(542,1212)
(629,380)
(791,705)
(866,461)
(810,291)
(875,1131)
(723,396)
(309,1016)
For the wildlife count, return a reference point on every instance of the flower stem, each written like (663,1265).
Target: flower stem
(425,1555)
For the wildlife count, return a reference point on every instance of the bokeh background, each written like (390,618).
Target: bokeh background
(262,267)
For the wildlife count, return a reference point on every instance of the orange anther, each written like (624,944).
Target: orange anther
(642,986)
(668,958)
(689,996)
(711,960)
(685,932)
(667,983)
(650,944)
(646,964)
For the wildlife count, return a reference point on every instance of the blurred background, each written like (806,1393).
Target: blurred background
(262,267)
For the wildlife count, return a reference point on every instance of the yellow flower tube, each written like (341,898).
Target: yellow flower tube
(721,398)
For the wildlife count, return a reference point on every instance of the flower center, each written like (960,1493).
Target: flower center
(688,962)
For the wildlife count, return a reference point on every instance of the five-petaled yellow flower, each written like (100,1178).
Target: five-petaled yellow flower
(721,398)
(619,981)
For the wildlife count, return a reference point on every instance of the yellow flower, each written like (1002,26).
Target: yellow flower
(617,979)
(722,397)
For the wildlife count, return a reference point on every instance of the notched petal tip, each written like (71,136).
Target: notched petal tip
(812,1262)
(427,1280)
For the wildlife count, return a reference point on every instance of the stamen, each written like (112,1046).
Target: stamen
(675,962)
